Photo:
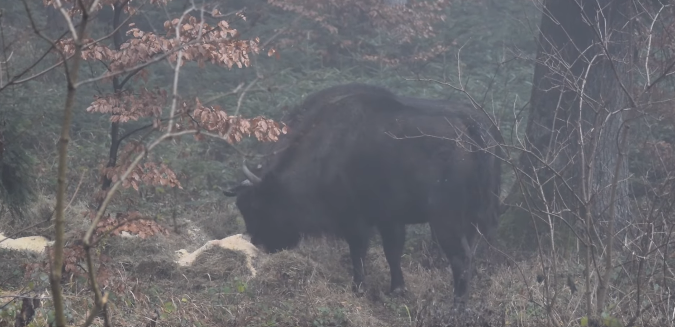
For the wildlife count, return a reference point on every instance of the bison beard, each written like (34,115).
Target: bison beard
(358,158)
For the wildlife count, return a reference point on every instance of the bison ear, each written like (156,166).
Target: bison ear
(234,191)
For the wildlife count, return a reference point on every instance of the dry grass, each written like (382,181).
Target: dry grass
(35,220)
(308,286)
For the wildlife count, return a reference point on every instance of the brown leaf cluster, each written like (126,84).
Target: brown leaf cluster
(72,256)
(199,42)
(125,106)
(132,222)
(152,174)
(194,40)
(234,128)
(149,173)
(218,44)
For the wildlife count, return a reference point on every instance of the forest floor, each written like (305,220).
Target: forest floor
(307,286)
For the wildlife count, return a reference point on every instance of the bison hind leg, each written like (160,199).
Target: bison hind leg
(461,275)
(458,251)
(393,241)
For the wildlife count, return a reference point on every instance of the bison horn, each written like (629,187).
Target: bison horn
(250,175)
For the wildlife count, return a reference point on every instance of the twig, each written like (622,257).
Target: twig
(59,222)
(604,281)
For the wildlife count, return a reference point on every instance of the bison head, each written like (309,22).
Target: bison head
(267,211)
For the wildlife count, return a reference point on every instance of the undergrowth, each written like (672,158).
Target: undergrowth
(307,286)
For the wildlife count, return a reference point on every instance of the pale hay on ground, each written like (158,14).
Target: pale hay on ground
(235,242)
(35,244)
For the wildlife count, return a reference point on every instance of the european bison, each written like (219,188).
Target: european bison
(358,157)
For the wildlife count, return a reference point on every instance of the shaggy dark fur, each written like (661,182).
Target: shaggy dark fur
(358,158)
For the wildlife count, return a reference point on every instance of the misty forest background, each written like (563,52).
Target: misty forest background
(540,271)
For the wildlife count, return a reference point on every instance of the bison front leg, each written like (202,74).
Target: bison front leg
(393,241)
(459,253)
(461,273)
(358,247)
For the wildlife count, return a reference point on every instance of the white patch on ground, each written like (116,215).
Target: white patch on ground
(126,234)
(35,244)
(236,242)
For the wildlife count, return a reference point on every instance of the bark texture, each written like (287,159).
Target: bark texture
(576,115)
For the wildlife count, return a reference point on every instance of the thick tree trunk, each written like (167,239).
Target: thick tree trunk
(575,119)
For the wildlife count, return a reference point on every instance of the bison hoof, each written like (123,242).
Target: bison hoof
(399,291)
(460,302)
(359,289)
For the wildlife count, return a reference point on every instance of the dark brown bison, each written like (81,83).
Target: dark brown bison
(358,158)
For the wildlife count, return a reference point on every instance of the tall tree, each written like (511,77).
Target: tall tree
(578,104)
(572,169)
